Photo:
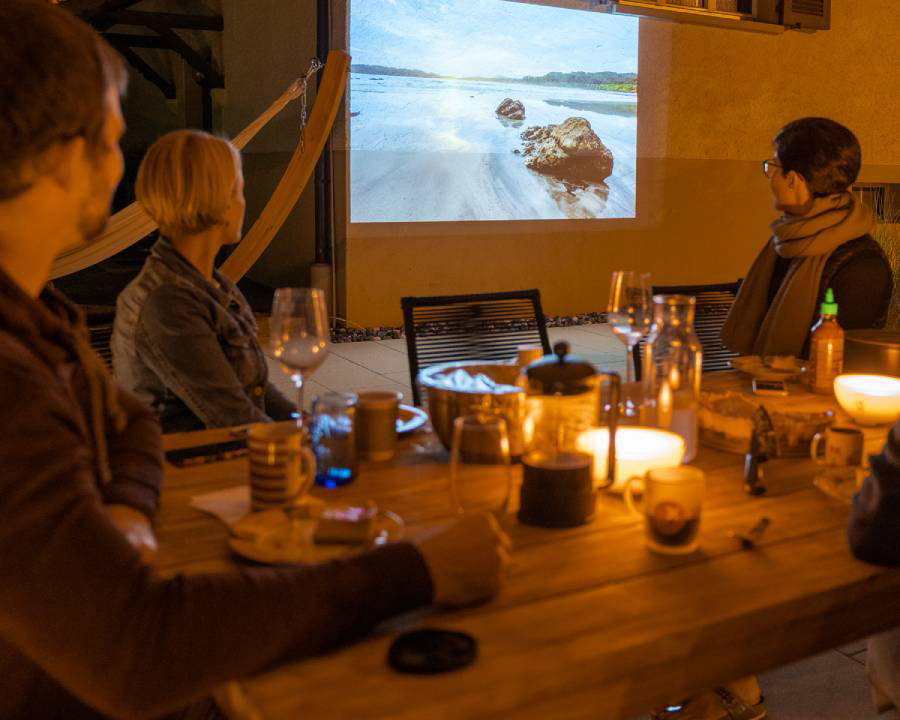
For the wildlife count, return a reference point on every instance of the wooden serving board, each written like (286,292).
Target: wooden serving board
(799,400)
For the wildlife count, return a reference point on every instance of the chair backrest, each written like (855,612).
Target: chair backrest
(713,303)
(100,326)
(487,326)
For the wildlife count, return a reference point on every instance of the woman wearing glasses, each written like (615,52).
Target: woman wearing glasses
(822,239)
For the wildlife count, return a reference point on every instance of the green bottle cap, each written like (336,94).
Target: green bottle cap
(829,307)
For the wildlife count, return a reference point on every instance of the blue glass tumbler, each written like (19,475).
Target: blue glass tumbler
(334,439)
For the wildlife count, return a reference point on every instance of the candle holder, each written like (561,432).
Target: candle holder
(636,450)
(869,399)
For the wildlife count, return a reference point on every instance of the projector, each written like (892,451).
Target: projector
(788,14)
(765,16)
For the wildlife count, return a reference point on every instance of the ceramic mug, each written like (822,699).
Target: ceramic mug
(376,422)
(843,447)
(670,501)
(282,468)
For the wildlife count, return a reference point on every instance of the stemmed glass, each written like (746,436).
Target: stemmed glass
(299,334)
(630,311)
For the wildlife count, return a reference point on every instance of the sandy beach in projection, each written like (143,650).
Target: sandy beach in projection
(427,149)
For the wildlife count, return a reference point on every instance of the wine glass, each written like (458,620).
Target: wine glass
(299,334)
(629,311)
(480,465)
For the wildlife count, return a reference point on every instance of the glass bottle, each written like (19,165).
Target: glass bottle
(673,363)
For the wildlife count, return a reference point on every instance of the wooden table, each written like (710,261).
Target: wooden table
(589,624)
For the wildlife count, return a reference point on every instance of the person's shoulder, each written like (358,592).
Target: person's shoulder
(170,303)
(861,253)
(26,381)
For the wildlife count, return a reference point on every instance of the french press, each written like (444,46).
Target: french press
(563,400)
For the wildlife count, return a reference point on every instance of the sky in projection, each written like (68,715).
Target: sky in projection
(490,38)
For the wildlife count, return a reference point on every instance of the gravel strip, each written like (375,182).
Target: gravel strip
(342,335)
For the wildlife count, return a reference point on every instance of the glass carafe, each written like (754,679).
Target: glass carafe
(673,362)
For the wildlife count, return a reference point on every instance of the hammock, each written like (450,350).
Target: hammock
(131,224)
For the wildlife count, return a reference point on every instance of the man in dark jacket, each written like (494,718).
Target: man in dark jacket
(86,627)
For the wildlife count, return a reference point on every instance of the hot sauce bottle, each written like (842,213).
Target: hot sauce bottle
(826,347)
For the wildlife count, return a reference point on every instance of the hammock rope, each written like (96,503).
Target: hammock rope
(131,224)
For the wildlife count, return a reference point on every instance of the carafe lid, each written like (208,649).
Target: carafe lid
(560,373)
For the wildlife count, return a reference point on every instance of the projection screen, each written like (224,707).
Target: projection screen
(473,110)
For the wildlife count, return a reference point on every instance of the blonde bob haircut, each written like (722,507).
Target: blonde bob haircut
(187,180)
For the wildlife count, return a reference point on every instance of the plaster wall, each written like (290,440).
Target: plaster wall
(268,44)
(710,101)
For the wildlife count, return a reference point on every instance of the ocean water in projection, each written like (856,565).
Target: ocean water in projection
(432,140)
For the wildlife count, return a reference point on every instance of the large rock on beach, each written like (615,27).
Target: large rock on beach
(570,151)
(511,109)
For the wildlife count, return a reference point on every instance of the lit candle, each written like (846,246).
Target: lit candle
(869,399)
(637,450)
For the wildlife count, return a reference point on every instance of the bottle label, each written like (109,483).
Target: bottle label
(826,363)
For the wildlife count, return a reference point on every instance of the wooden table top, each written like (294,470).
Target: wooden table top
(590,624)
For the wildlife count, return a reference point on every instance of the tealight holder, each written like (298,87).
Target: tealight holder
(869,399)
(637,450)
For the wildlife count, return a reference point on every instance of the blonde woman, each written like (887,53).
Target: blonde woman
(185,337)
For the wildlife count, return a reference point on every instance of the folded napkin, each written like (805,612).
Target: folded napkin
(229,505)
(232,507)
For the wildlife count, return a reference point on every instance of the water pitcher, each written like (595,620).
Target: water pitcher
(673,361)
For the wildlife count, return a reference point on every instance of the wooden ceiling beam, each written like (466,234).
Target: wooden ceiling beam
(147,70)
(137,41)
(87,10)
(213,78)
(169,20)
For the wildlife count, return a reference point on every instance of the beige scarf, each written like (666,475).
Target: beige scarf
(755,327)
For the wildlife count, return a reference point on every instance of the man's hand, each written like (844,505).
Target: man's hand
(136,528)
(466,560)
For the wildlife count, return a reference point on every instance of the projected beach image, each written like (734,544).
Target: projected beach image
(468,110)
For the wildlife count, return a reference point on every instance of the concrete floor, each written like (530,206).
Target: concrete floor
(830,686)
(382,364)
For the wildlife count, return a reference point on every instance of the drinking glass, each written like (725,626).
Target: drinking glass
(629,311)
(480,466)
(299,334)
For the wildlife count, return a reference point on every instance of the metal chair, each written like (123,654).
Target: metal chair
(713,303)
(100,327)
(487,326)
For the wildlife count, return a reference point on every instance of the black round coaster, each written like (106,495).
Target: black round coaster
(430,651)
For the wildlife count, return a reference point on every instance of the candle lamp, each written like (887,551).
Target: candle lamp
(637,449)
(869,399)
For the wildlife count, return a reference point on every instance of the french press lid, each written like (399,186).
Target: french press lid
(560,373)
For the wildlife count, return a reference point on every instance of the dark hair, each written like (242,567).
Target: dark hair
(55,72)
(824,152)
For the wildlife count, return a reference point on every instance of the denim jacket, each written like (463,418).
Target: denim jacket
(188,347)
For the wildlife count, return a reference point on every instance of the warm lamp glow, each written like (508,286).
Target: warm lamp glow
(869,399)
(637,450)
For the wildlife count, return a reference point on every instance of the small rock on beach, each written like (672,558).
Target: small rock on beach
(512,109)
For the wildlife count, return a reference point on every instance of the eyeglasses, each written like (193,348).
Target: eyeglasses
(769,168)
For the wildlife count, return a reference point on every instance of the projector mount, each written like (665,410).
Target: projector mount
(761,16)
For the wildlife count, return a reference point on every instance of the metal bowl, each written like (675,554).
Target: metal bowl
(872,351)
(446,403)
